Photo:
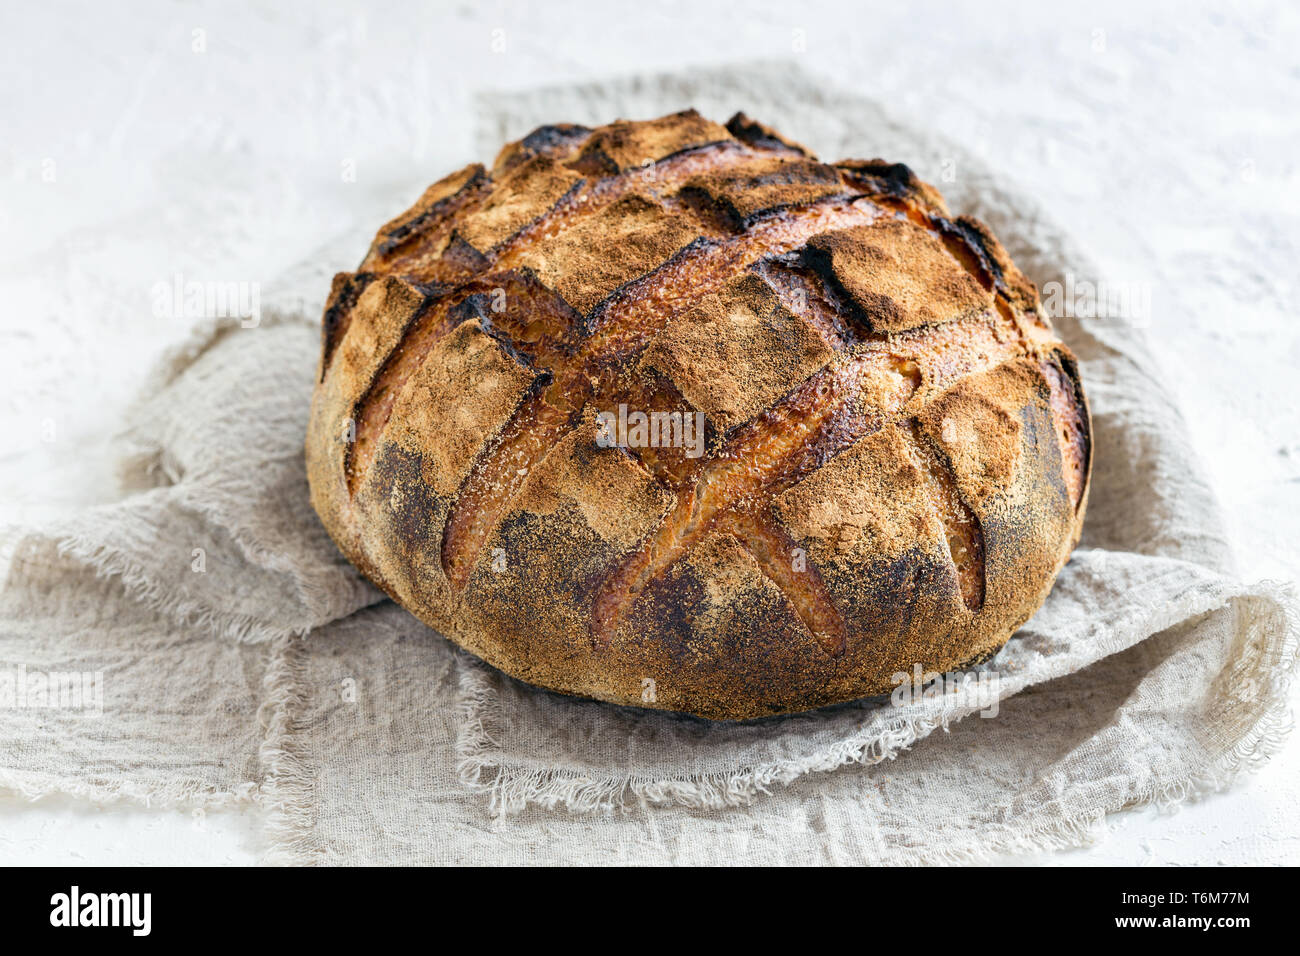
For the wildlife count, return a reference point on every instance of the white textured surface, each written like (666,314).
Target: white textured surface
(1165,137)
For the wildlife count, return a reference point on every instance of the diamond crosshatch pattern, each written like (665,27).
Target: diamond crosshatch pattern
(559,280)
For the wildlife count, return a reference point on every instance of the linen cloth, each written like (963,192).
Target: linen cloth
(243,659)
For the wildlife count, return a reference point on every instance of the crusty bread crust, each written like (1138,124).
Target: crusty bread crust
(896,447)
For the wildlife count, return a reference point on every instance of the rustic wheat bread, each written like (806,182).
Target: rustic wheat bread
(894,454)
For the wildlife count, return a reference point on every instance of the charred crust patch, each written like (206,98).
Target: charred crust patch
(344,292)
(893,180)
(556,140)
(971,241)
(761,136)
(1072,421)
(439,202)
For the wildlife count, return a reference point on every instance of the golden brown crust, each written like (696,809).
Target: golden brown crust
(518,198)
(897,275)
(737,351)
(893,450)
(761,187)
(600,254)
(627,145)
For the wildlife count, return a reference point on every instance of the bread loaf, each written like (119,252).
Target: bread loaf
(675,415)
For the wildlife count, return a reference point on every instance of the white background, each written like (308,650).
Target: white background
(133,148)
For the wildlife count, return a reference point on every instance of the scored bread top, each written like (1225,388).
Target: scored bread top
(894,452)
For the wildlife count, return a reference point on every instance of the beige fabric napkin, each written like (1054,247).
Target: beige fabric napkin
(243,659)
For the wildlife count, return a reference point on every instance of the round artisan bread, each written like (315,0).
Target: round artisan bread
(673,414)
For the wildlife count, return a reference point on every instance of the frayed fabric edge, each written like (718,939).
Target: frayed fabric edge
(284,791)
(109,562)
(287,792)
(1273,638)
(1262,740)
(35,787)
